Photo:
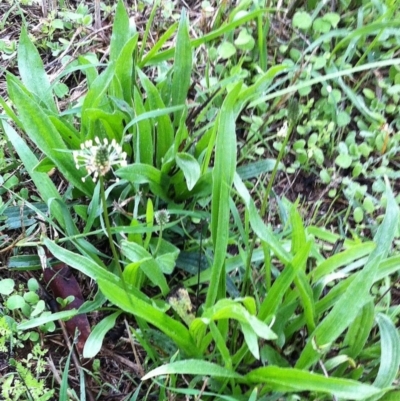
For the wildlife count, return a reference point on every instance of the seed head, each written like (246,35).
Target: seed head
(99,158)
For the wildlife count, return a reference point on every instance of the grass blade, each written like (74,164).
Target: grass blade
(32,72)
(120,32)
(165,130)
(357,294)
(223,173)
(42,181)
(95,340)
(192,367)
(182,67)
(390,352)
(43,133)
(293,380)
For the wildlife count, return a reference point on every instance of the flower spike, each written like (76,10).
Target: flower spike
(99,158)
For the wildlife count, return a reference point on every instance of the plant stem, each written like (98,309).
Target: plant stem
(107,224)
(264,204)
(159,241)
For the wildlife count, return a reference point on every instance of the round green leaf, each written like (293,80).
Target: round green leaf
(6,286)
(321,26)
(244,41)
(39,308)
(33,284)
(319,156)
(325,176)
(34,336)
(295,54)
(343,161)
(319,62)
(357,169)
(393,89)
(368,205)
(299,144)
(358,215)
(57,24)
(332,18)
(364,149)
(343,119)
(15,302)
(305,91)
(31,297)
(369,94)
(302,20)
(226,50)
(61,90)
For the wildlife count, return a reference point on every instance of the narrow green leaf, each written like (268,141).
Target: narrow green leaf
(295,380)
(67,132)
(143,140)
(42,181)
(220,343)
(390,352)
(391,396)
(126,297)
(182,66)
(165,131)
(94,97)
(274,297)
(322,78)
(192,367)
(153,114)
(228,27)
(43,133)
(357,294)
(307,299)
(342,259)
(95,340)
(120,32)
(124,68)
(359,331)
(190,167)
(262,231)
(32,72)
(142,174)
(223,173)
(64,396)
(262,83)
(137,254)
(31,323)
(131,304)
(158,45)
(232,309)
(298,232)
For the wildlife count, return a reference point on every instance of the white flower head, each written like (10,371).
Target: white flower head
(283,130)
(162,217)
(99,158)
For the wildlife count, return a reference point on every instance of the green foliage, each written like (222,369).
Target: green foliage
(23,385)
(23,304)
(16,306)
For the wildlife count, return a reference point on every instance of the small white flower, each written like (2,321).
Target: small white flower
(283,130)
(162,217)
(99,158)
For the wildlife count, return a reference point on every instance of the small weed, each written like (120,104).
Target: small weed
(23,382)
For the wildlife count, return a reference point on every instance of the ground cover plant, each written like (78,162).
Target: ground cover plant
(209,207)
